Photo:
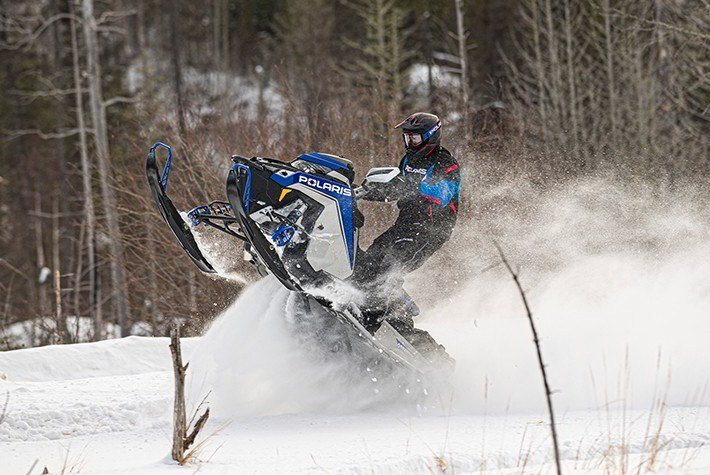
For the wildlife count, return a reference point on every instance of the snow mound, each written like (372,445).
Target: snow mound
(59,391)
(51,410)
(130,355)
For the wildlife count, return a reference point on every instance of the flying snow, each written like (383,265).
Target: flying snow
(618,280)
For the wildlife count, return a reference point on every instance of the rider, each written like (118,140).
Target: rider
(427,195)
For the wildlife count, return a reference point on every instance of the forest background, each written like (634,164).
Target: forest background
(543,90)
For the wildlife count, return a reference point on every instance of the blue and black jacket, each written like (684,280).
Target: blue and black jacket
(426,192)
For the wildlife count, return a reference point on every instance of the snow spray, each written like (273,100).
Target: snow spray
(618,277)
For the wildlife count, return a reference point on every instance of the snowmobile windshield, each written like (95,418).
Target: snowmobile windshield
(412,140)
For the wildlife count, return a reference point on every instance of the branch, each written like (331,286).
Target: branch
(60,134)
(34,35)
(677,29)
(30,96)
(111,16)
(118,99)
(112,29)
(536,340)
(15,269)
(190,439)
(53,92)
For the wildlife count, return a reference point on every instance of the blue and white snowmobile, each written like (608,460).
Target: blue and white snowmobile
(299,221)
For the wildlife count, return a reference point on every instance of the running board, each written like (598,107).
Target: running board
(391,339)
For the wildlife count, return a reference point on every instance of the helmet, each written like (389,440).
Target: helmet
(421,133)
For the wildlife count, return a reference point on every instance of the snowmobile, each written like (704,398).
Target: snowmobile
(298,221)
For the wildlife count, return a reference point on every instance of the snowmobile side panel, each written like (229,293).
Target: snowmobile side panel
(301,224)
(158,186)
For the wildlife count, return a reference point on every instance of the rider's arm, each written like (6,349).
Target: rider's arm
(392,190)
(441,184)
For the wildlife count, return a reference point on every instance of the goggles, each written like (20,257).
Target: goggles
(414,140)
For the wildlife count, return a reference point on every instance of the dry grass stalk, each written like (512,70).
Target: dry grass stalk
(543,371)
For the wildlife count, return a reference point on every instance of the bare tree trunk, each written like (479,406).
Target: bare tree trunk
(541,73)
(61,321)
(225,34)
(664,139)
(611,80)
(461,38)
(98,116)
(152,301)
(571,78)
(555,89)
(87,187)
(429,55)
(179,416)
(41,263)
(181,439)
(192,290)
(216,29)
(177,69)
(395,62)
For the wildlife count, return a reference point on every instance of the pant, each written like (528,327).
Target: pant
(380,271)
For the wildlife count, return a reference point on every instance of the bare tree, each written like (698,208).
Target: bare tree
(608,80)
(60,319)
(41,262)
(182,441)
(176,64)
(87,187)
(461,38)
(98,116)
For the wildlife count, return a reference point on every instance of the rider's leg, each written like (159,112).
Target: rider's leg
(395,254)
(381,269)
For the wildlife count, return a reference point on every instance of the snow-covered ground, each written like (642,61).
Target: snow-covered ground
(106,407)
(112,414)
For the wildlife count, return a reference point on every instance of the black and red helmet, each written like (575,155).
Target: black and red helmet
(421,132)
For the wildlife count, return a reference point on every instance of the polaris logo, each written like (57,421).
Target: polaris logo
(421,171)
(324,185)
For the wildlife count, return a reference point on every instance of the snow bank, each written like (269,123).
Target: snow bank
(51,410)
(130,355)
(60,391)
